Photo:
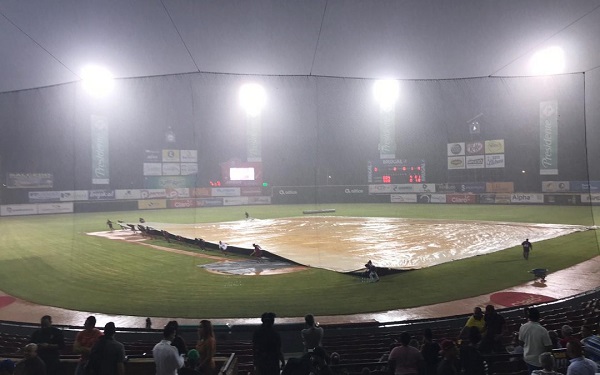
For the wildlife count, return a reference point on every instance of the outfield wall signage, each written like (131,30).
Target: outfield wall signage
(181,203)
(487,198)
(499,187)
(55,208)
(171,169)
(549,137)
(189,169)
(152,169)
(494,161)
(474,148)
(29,180)
(74,195)
(456,149)
(585,186)
(153,193)
(401,188)
(209,202)
(471,187)
(461,198)
(502,198)
(153,156)
(189,156)
(456,162)
(445,188)
(235,201)
(431,198)
(225,192)
(171,156)
(100,159)
(403,198)
(201,192)
(495,146)
(562,199)
(152,204)
(590,198)
(555,186)
(178,193)
(475,161)
(527,198)
(164,182)
(102,194)
(128,194)
(259,200)
(18,209)
(251,190)
(44,196)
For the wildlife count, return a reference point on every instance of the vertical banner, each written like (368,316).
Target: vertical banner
(549,137)
(253,145)
(387,143)
(100,175)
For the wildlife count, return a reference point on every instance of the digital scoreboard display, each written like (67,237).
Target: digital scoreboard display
(396,171)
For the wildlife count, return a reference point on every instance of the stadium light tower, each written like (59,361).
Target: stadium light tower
(253,99)
(548,61)
(97,80)
(387,93)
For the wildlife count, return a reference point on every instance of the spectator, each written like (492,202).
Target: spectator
(555,339)
(31,364)
(319,362)
(166,357)
(471,360)
(148,323)
(430,350)
(567,335)
(548,365)
(535,340)
(178,341)
(448,364)
(579,365)
(586,331)
(84,341)
(191,362)
(266,344)
(475,320)
(405,359)
(592,347)
(312,335)
(206,347)
(7,367)
(50,341)
(494,328)
(107,356)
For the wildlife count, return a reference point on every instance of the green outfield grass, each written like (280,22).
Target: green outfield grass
(51,260)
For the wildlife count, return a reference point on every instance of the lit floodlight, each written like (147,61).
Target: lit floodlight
(253,98)
(548,61)
(96,80)
(386,93)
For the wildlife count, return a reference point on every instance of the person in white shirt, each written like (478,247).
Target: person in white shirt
(535,339)
(166,357)
(312,335)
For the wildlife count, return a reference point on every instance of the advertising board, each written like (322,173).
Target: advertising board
(96,195)
(403,198)
(555,186)
(499,187)
(29,180)
(181,203)
(128,194)
(461,198)
(225,192)
(18,209)
(153,193)
(235,201)
(527,198)
(475,161)
(44,196)
(456,149)
(494,161)
(151,204)
(55,208)
(456,162)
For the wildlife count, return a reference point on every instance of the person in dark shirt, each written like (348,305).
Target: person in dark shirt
(266,344)
(178,341)
(430,350)
(471,360)
(449,364)
(494,327)
(107,356)
(31,364)
(527,247)
(50,341)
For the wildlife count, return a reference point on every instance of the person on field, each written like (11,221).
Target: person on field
(223,247)
(110,225)
(527,247)
(257,252)
(371,272)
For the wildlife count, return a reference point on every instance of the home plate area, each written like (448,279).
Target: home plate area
(252,267)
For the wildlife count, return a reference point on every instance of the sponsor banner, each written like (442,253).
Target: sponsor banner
(549,137)
(151,204)
(400,188)
(503,198)
(471,187)
(456,149)
(189,156)
(170,156)
(178,193)
(387,133)
(153,193)
(353,190)
(474,148)
(251,190)
(259,200)
(181,203)
(235,201)
(562,199)
(201,192)
(403,198)
(487,198)
(499,187)
(379,189)
(494,161)
(44,196)
(152,169)
(585,186)
(590,198)
(445,188)
(555,186)
(253,144)
(29,180)
(423,188)
(225,192)
(495,146)
(171,169)
(438,198)
(153,156)
(164,182)
(475,161)
(102,194)
(55,208)
(461,198)
(527,198)
(18,209)
(189,169)
(128,194)
(100,160)
(209,202)
(74,195)
(456,162)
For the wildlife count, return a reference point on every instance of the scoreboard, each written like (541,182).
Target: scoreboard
(395,171)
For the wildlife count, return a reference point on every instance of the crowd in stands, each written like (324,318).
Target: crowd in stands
(488,344)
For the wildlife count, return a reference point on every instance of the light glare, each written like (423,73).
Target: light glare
(386,93)
(96,80)
(253,98)
(548,61)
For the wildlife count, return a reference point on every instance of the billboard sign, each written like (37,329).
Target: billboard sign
(494,161)
(549,137)
(100,160)
(495,146)
(29,180)
(475,161)
(456,162)
(456,149)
